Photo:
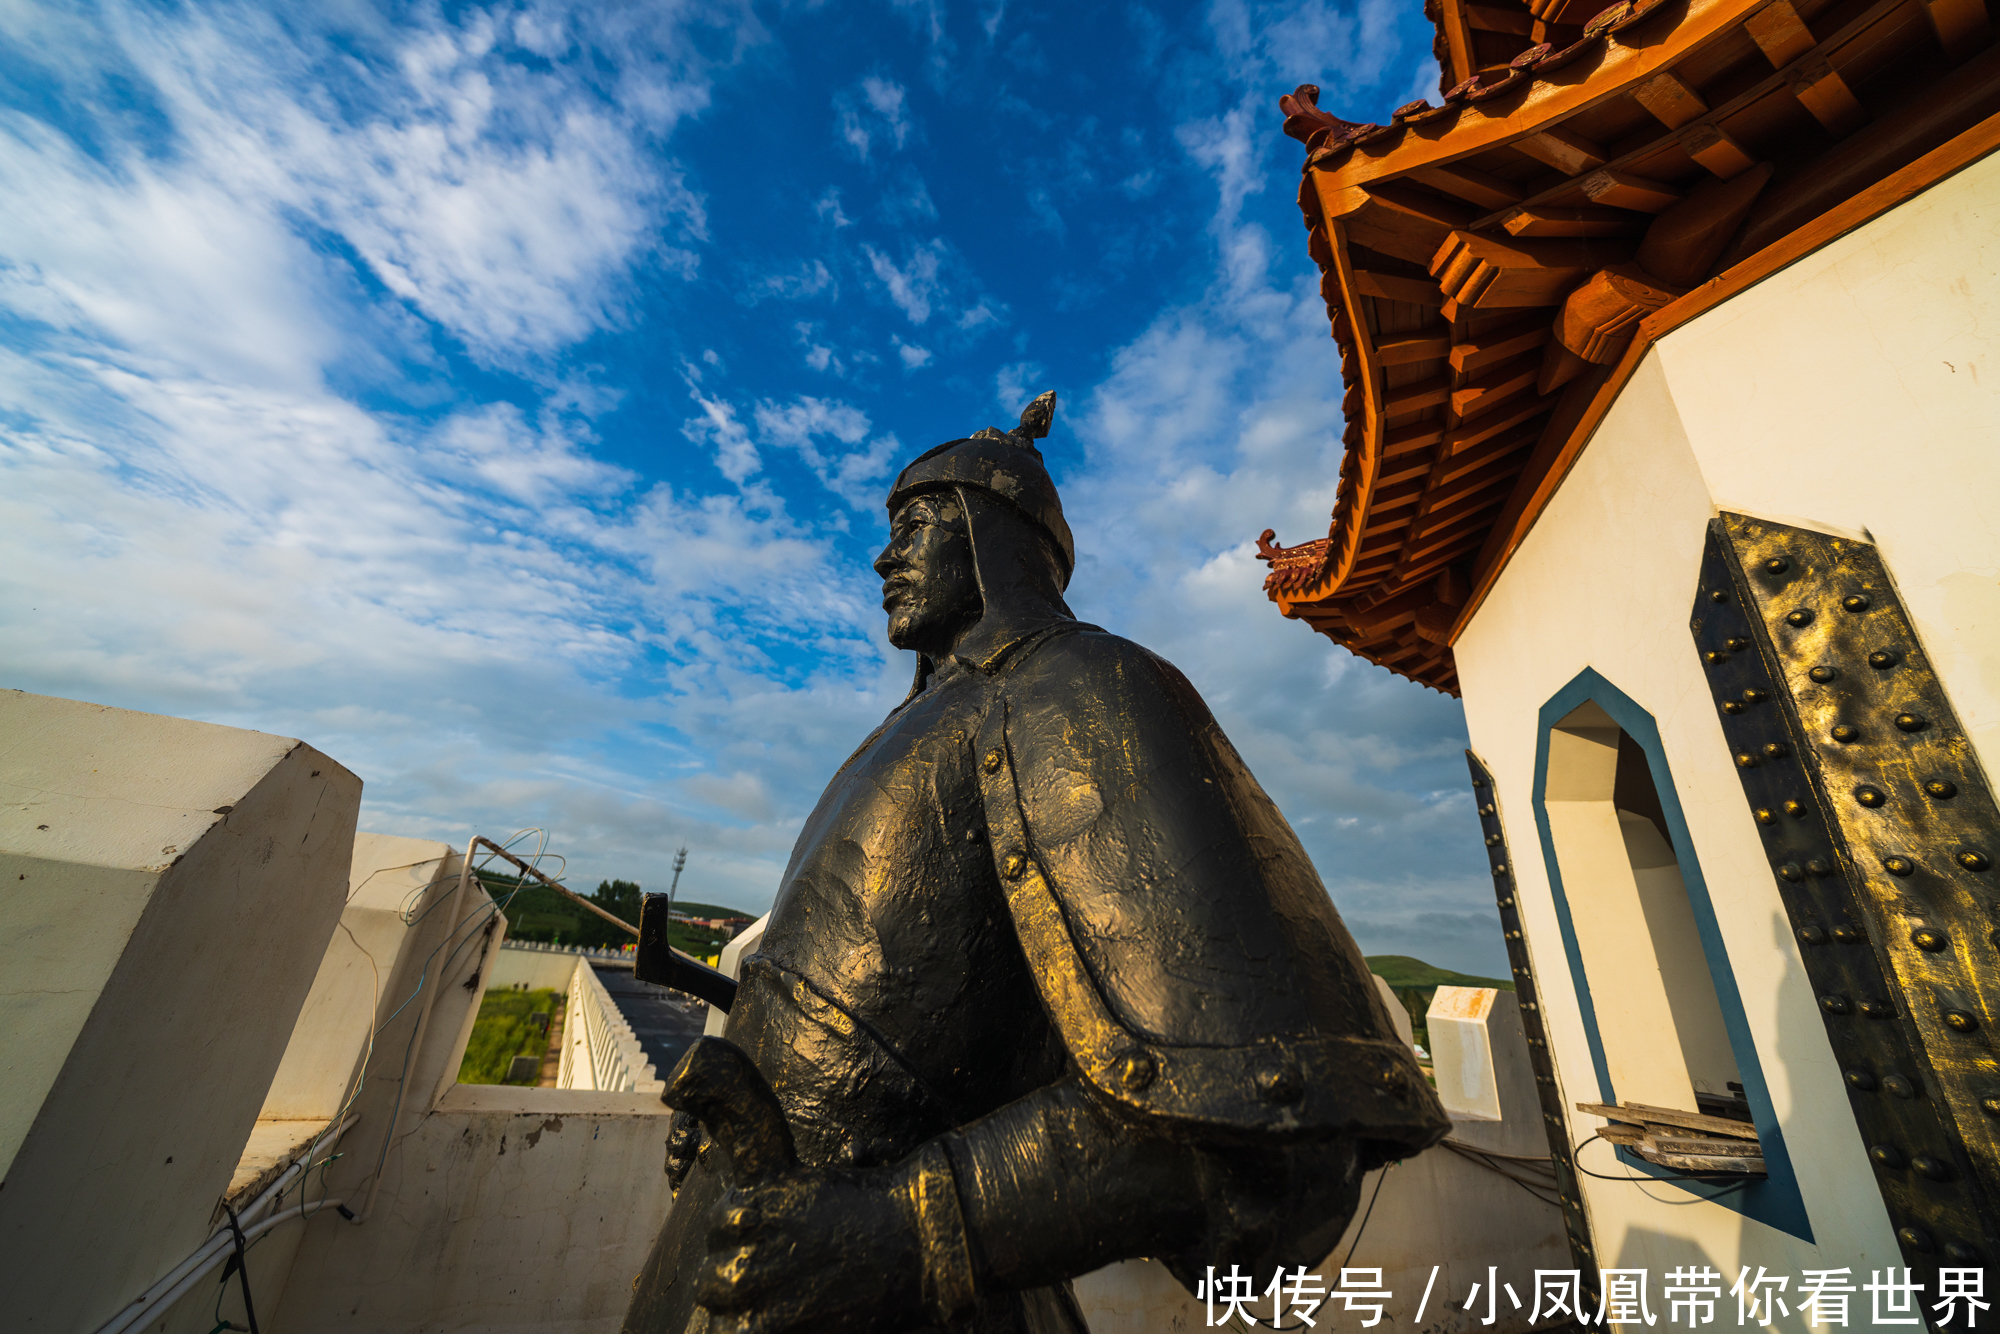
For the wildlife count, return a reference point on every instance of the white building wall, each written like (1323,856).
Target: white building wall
(172,885)
(1856,392)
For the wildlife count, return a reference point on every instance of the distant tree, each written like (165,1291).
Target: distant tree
(621,899)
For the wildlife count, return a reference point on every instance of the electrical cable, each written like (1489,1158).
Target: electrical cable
(242,1264)
(1534,1188)
(1668,1175)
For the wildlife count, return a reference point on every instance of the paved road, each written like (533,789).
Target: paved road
(666,1022)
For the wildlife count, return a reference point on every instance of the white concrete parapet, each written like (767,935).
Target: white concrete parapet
(600,1050)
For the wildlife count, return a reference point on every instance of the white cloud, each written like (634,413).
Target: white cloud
(914,357)
(717,428)
(855,472)
(913,284)
(875,111)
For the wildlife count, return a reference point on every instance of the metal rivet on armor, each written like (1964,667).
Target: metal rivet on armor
(1136,1070)
(1507,902)
(1882,659)
(1899,1086)
(1835,1004)
(1796,809)
(1281,1084)
(1499,868)
(1792,871)
(1915,1238)
(1715,657)
(1854,602)
(1888,1155)
(1732,707)
(1513,935)
(1754,696)
(1860,1079)
(1479,782)
(1819,867)
(1990,1106)
(1846,733)
(1870,797)
(1813,935)
(1736,645)
(1898,865)
(1911,722)
(1013,865)
(994,759)
(1718,596)
(1777,565)
(1823,674)
(1846,934)
(1928,1165)
(1875,1008)
(1765,815)
(1803,616)
(1775,750)
(1746,760)
(1974,861)
(1959,1253)
(1487,809)
(975,836)
(1493,840)
(1929,939)
(1960,1021)
(1942,789)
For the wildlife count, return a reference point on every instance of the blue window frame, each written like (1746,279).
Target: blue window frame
(1774,1201)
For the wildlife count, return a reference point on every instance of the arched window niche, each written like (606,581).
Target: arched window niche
(1659,1003)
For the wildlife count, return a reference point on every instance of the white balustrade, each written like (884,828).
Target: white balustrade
(599,1048)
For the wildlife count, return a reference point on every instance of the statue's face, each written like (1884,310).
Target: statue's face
(929,586)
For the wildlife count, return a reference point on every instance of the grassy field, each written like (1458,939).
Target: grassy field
(503,1032)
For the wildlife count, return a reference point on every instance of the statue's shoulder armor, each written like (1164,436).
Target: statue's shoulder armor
(1181,940)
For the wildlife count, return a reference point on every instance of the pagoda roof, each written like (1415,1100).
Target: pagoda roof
(1495,267)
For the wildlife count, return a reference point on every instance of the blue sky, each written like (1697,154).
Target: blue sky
(501,397)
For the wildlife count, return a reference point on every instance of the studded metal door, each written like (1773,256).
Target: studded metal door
(1879,828)
(1554,1119)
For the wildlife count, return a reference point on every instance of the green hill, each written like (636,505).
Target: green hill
(712,910)
(1400,971)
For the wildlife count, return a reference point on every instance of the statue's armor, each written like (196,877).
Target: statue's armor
(1047,860)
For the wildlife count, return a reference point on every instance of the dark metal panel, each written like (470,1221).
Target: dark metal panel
(1576,1224)
(1879,827)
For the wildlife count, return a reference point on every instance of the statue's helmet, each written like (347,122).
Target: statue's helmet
(1002,464)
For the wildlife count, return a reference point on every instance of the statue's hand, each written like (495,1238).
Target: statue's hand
(821,1251)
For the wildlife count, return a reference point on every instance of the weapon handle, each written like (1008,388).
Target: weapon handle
(719,1086)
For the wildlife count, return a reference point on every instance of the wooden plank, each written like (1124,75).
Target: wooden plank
(1612,188)
(1472,460)
(1457,41)
(1414,347)
(1477,128)
(1481,429)
(1565,150)
(1495,385)
(1665,1139)
(1470,184)
(1401,400)
(1711,146)
(1408,439)
(1881,12)
(1822,91)
(1639,1113)
(1670,100)
(1399,220)
(1395,287)
(1492,18)
(1491,348)
(1484,272)
(1961,25)
(1688,1162)
(1555,220)
(1779,33)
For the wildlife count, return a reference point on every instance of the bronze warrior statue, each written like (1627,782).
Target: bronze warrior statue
(1049,982)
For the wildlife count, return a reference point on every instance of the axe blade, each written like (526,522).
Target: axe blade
(719,1086)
